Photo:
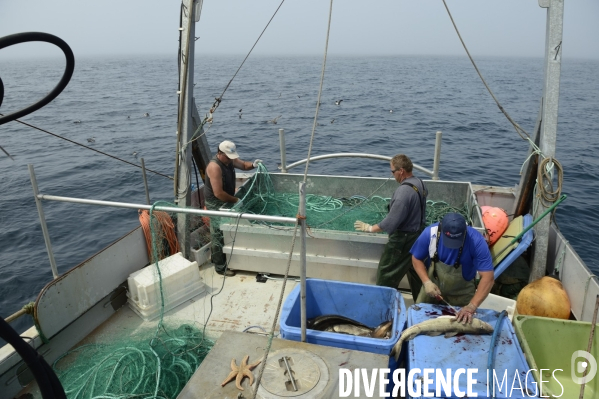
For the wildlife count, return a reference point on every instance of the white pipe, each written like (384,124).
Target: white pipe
(283,150)
(437,158)
(173,209)
(143,170)
(302,221)
(354,155)
(40,211)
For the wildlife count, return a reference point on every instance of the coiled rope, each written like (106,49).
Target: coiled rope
(165,232)
(545,181)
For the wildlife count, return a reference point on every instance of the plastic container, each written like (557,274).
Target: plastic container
(369,304)
(470,351)
(522,246)
(551,344)
(181,281)
(499,303)
(202,255)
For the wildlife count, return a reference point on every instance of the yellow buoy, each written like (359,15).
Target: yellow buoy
(545,297)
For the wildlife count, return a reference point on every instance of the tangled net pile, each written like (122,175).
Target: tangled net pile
(156,363)
(132,367)
(326,212)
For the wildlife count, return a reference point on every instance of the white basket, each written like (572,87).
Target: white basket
(181,281)
(202,255)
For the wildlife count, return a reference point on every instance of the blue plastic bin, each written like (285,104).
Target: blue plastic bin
(470,351)
(369,304)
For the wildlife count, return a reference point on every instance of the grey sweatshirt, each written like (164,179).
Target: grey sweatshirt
(405,208)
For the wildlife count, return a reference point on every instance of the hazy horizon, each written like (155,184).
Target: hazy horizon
(511,28)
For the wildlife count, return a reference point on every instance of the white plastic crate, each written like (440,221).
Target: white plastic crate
(181,281)
(202,255)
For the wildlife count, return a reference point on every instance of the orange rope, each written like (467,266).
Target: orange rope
(164,230)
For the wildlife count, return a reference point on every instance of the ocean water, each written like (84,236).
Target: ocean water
(110,96)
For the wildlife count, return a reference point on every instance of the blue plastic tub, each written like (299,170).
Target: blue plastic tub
(369,304)
(470,352)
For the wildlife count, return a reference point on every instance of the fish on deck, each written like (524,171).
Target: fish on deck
(344,325)
(441,325)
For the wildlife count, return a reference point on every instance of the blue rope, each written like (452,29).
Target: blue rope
(491,359)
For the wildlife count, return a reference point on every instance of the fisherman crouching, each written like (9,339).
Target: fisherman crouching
(446,257)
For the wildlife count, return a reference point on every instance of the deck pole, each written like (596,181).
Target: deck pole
(184,126)
(302,217)
(283,151)
(40,211)
(553,58)
(143,171)
(437,159)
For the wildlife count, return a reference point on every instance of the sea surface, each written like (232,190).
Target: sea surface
(109,97)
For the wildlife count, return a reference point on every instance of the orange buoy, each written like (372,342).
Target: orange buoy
(496,222)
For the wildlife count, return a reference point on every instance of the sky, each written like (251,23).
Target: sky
(506,28)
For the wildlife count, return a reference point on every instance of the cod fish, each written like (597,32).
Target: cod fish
(343,325)
(441,325)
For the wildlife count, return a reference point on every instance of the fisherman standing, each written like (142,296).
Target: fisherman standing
(220,189)
(405,221)
(453,253)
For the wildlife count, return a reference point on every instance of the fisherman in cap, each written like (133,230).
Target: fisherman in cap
(453,253)
(220,189)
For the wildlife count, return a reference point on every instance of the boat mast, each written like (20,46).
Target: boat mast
(184,123)
(553,57)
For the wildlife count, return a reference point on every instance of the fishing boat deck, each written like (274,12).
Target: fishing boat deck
(241,303)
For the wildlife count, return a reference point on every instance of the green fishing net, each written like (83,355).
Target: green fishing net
(154,363)
(327,212)
(142,365)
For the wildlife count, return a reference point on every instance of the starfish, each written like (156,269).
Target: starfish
(238,373)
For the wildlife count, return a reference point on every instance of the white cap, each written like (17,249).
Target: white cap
(228,147)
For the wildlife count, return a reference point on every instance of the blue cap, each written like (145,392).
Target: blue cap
(454,230)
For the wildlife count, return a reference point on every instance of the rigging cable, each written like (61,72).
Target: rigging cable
(248,54)
(93,149)
(518,128)
(546,196)
(217,100)
(324,63)
(271,335)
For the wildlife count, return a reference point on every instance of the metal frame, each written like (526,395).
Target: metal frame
(433,173)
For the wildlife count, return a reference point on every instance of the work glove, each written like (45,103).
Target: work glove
(466,314)
(431,289)
(361,226)
(238,204)
(256,162)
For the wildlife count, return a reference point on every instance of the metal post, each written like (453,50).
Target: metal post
(182,189)
(40,211)
(553,58)
(143,171)
(302,214)
(437,159)
(283,152)
(171,209)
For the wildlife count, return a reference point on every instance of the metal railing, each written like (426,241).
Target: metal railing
(172,209)
(433,173)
